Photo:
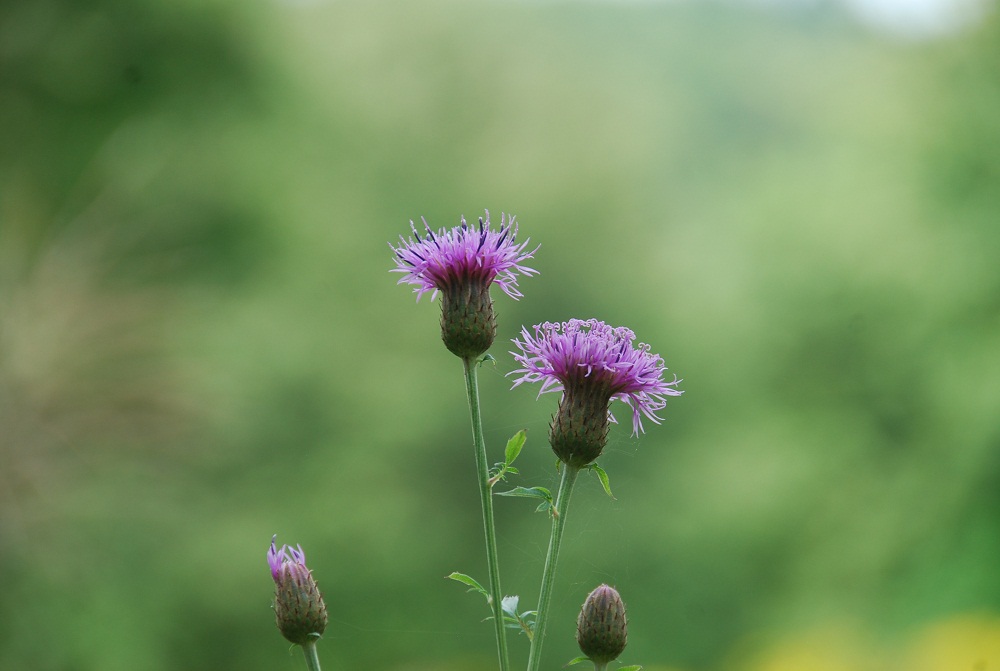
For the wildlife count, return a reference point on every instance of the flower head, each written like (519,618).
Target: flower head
(592,364)
(462,263)
(602,628)
(463,254)
(298,605)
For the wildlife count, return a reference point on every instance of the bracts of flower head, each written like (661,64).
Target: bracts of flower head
(592,364)
(461,264)
(602,628)
(298,605)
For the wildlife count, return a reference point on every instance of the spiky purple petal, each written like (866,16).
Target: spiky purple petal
(587,352)
(277,559)
(463,254)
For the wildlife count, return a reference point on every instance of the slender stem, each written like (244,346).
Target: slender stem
(486,497)
(566,483)
(312,657)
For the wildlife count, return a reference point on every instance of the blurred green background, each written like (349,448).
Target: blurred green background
(201,344)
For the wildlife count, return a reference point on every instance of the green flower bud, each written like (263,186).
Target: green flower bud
(601,628)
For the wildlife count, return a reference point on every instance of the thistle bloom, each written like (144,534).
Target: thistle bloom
(461,264)
(602,628)
(298,605)
(592,364)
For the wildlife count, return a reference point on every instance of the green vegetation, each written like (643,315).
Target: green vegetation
(201,344)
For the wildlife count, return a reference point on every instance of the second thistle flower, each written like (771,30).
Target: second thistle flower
(462,263)
(592,364)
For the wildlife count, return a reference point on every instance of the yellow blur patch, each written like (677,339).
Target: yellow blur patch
(969,642)
(830,649)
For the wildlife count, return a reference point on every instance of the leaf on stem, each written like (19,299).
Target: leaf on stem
(634,667)
(577,660)
(471,582)
(534,493)
(523,621)
(514,446)
(502,468)
(602,475)
(528,493)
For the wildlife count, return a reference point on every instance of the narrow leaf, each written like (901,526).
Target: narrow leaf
(471,582)
(514,446)
(529,493)
(602,475)
(578,660)
(634,667)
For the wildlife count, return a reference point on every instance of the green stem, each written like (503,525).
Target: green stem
(566,483)
(312,657)
(486,497)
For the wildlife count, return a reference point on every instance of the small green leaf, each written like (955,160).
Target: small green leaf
(634,667)
(487,357)
(578,660)
(514,446)
(511,469)
(602,475)
(528,493)
(471,582)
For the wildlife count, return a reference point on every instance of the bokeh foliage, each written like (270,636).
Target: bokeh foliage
(200,344)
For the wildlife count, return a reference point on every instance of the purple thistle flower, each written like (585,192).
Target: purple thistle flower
(463,254)
(298,605)
(462,263)
(592,364)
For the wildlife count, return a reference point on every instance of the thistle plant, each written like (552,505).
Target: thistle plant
(592,364)
(299,610)
(462,264)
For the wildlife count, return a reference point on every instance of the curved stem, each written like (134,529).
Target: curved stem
(486,497)
(312,657)
(566,483)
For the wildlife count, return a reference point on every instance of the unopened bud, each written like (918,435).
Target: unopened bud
(601,628)
(298,605)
